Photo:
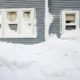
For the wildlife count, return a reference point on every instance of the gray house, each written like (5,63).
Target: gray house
(32,21)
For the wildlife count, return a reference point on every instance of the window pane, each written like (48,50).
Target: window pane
(26,15)
(0,23)
(70,27)
(13,27)
(70,18)
(12,16)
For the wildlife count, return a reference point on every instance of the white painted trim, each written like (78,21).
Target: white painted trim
(63,19)
(0,24)
(46,20)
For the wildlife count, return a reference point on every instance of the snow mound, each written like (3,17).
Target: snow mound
(72,35)
(55,59)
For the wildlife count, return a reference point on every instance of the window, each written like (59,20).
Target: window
(70,20)
(18,23)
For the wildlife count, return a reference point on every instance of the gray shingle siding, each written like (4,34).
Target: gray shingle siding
(55,7)
(39,5)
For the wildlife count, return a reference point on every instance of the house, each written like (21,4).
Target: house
(32,21)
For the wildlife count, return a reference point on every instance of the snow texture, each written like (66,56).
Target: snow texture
(55,59)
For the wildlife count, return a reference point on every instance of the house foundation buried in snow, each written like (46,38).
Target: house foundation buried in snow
(32,21)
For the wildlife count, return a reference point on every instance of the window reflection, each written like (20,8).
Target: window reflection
(70,18)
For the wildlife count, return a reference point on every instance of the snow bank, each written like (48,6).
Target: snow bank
(55,59)
(72,35)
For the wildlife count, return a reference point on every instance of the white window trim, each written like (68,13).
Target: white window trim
(63,19)
(47,20)
(19,11)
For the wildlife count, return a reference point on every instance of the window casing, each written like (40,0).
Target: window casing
(70,20)
(0,24)
(18,23)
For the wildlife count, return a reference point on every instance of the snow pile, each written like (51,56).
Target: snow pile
(54,59)
(72,35)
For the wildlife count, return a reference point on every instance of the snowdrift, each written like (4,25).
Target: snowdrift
(55,59)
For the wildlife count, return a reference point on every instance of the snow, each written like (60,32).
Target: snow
(54,59)
(72,35)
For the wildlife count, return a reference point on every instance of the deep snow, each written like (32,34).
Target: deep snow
(55,59)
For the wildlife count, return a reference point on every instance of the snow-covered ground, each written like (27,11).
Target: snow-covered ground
(55,59)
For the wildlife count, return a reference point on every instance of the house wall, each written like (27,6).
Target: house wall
(39,6)
(55,8)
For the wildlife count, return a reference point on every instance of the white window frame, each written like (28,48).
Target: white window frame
(18,22)
(64,12)
(0,24)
